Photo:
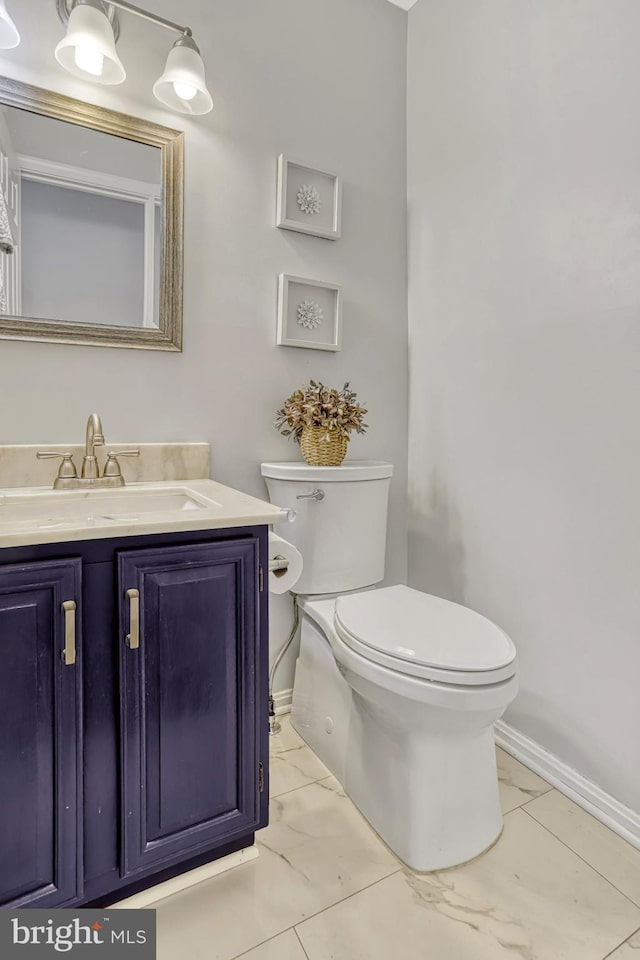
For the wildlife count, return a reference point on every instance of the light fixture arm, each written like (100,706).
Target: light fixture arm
(152,17)
(108,6)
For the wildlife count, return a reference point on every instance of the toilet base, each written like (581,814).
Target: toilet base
(424,776)
(321,704)
(433,799)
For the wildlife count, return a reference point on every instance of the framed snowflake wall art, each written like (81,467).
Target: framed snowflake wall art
(309,314)
(309,200)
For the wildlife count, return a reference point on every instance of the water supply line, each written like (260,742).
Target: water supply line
(274,726)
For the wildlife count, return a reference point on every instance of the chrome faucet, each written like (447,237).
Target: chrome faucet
(68,478)
(95,438)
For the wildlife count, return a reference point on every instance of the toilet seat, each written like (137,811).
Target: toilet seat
(419,635)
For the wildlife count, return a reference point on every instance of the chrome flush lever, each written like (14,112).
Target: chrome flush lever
(317,495)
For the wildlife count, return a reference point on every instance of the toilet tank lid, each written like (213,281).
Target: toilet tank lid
(349,470)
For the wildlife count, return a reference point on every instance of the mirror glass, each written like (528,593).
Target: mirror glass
(83,210)
(90,224)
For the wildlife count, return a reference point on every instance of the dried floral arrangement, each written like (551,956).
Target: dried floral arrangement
(315,405)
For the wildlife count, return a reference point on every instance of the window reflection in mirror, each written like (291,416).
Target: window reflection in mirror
(80,223)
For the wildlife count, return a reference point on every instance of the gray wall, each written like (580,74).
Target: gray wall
(326,86)
(524,279)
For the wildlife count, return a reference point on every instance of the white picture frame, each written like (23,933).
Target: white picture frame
(308,200)
(309,314)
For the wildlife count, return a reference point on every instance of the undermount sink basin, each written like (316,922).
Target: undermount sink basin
(31,515)
(55,508)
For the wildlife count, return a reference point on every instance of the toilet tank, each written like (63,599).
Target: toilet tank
(342,532)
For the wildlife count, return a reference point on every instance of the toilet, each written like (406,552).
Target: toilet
(395,690)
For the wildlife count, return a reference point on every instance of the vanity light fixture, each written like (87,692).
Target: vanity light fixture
(9,36)
(89,51)
(182,85)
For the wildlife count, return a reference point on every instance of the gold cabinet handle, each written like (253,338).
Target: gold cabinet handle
(69,652)
(133,637)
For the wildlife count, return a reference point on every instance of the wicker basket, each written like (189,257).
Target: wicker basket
(319,451)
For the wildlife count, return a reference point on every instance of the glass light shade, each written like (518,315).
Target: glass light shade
(9,36)
(89,49)
(182,86)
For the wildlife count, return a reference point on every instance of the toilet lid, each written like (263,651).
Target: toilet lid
(417,630)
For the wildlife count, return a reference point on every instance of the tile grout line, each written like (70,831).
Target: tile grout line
(580,857)
(544,793)
(244,953)
(301,943)
(301,787)
(349,896)
(615,949)
(311,916)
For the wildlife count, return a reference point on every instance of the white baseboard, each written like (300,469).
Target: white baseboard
(282,701)
(622,820)
(161,890)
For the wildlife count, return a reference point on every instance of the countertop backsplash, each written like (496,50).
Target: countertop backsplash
(157,461)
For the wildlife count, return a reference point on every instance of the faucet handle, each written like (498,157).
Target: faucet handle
(112,467)
(67,467)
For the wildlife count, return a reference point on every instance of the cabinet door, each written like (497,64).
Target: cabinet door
(189,718)
(40,849)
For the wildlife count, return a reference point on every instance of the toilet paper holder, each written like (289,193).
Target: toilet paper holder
(279,564)
(287,515)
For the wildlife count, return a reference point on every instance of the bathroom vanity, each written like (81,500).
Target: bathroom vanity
(133,686)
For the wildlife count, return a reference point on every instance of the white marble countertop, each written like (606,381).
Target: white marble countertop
(41,515)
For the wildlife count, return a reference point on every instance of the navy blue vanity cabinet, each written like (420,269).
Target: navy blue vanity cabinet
(190,757)
(146,757)
(40,690)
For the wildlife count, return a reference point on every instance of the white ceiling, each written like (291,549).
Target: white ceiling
(405,4)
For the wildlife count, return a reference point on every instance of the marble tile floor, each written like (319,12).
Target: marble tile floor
(558,885)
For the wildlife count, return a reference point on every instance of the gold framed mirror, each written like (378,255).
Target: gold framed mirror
(91,223)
